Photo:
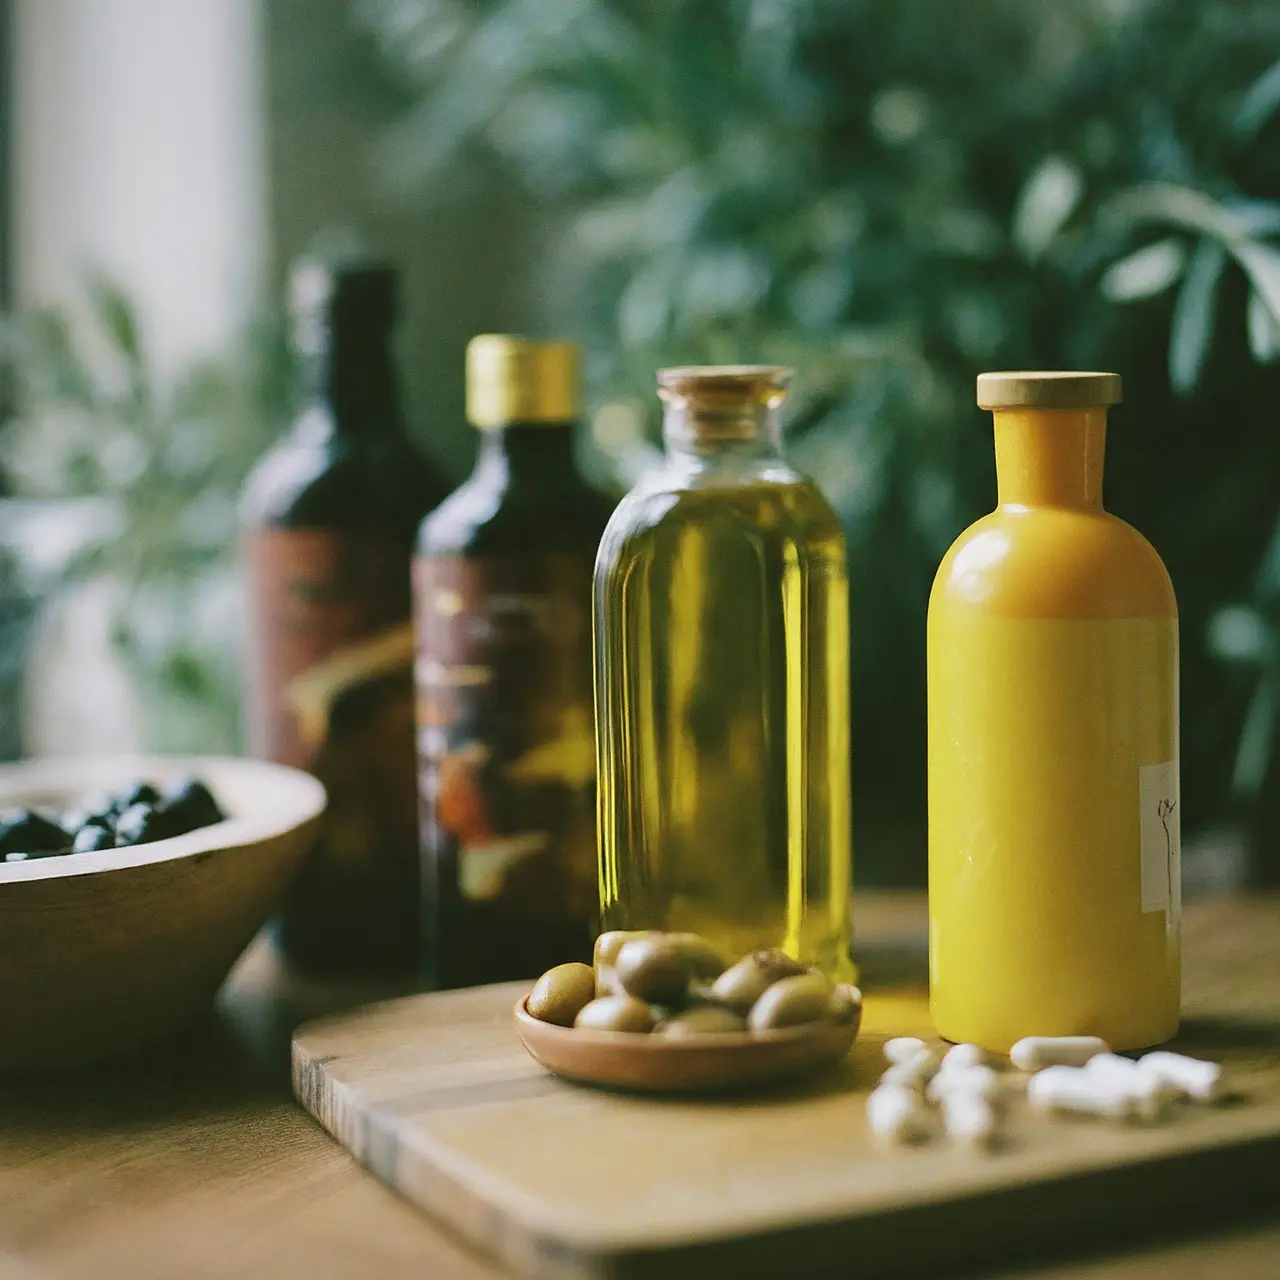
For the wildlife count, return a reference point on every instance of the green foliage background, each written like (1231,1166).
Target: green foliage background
(892,198)
(889,197)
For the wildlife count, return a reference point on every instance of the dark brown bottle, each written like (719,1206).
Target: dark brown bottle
(331,513)
(502,605)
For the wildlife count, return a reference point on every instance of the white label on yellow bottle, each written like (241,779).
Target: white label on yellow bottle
(1161,837)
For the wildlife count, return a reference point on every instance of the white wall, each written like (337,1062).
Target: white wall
(138,151)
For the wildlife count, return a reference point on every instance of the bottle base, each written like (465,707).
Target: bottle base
(1135,1039)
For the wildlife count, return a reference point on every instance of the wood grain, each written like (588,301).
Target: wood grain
(196,1163)
(435,1095)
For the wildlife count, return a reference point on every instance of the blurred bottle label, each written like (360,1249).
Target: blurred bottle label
(333,659)
(506,741)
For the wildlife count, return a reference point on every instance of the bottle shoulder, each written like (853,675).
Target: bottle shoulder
(662,513)
(487,515)
(1053,563)
(314,478)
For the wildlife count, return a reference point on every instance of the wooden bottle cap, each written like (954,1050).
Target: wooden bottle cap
(1048,389)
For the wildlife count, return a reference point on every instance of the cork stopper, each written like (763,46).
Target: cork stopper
(1048,389)
(724,388)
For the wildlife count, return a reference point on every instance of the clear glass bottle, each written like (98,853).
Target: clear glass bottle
(1054,883)
(722,685)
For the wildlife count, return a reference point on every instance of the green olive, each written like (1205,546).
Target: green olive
(742,984)
(654,969)
(616,1013)
(846,1003)
(703,1019)
(703,960)
(609,944)
(561,993)
(791,1001)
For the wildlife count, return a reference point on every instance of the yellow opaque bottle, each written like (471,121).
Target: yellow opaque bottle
(722,686)
(1054,847)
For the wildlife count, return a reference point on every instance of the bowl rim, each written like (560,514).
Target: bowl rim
(302,798)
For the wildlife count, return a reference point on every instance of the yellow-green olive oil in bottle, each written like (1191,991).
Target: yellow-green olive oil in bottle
(722,685)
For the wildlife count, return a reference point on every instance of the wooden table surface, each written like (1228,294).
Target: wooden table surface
(198,1162)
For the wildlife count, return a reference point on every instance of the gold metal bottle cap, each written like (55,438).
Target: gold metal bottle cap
(513,379)
(1048,389)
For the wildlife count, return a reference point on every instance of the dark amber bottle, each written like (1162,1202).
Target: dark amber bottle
(331,513)
(502,604)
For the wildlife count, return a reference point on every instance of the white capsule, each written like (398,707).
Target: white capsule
(1034,1053)
(1112,1066)
(903,1048)
(896,1115)
(905,1074)
(978,1082)
(963,1055)
(970,1120)
(1149,1096)
(1191,1077)
(915,1070)
(1064,1088)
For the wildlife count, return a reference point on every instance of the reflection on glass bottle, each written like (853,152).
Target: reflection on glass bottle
(722,685)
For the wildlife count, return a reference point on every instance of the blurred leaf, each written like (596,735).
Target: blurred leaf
(117,318)
(1261,264)
(1267,578)
(1257,738)
(1050,196)
(1169,203)
(1264,332)
(49,364)
(1191,330)
(1146,272)
(187,675)
(1259,104)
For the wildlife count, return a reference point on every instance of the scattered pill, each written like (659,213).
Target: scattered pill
(896,1115)
(904,1048)
(1066,1088)
(1112,1065)
(1034,1053)
(963,1055)
(1149,1095)
(979,1081)
(969,1120)
(905,1074)
(1192,1077)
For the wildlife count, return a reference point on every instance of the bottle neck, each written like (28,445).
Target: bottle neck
(354,376)
(742,431)
(1050,457)
(528,452)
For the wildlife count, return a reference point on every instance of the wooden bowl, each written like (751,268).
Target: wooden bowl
(104,953)
(712,1063)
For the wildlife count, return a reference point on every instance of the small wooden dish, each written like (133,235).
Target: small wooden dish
(703,1064)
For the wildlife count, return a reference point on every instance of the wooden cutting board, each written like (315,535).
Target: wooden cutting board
(436,1096)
